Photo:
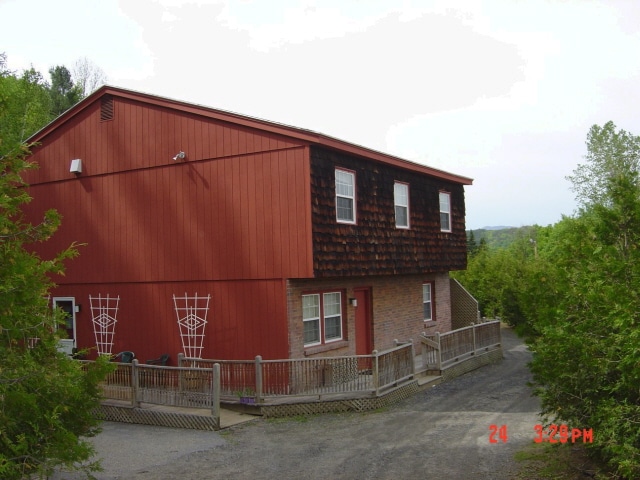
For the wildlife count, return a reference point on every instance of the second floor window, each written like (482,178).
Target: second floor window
(445,211)
(401,200)
(345,196)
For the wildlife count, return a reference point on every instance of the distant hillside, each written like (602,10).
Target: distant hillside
(499,237)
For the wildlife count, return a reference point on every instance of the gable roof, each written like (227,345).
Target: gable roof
(309,136)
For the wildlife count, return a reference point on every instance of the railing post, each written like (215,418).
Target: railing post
(215,393)
(258,379)
(375,372)
(473,330)
(134,384)
(413,359)
(439,353)
(180,372)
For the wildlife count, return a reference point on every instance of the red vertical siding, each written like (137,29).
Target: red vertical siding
(147,324)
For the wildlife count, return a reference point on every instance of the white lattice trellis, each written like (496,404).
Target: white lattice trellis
(104,311)
(191,313)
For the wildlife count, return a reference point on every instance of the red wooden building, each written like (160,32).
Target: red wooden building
(306,244)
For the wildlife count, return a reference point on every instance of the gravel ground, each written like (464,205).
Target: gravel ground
(440,433)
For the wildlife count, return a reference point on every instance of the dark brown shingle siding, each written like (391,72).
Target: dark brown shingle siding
(375,246)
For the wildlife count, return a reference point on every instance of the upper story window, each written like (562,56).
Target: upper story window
(427,301)
(445,211)
(401,201)
(345,196)
(322,318)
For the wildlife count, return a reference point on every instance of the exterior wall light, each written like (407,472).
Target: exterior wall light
(76,166)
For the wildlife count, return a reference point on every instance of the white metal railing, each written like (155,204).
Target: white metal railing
(442,350)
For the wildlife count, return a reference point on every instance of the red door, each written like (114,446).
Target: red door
(364,328)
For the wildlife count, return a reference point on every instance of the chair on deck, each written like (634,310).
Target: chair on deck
(161,360)
(124,357)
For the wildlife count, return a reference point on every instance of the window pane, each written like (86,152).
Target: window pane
(345,209)
(332,304)
(344,183)
(444,221)
(311,331)
(401,217)
(401,194)
(444,202)
(310,306)
(427,311)
(426,292)
(332,328)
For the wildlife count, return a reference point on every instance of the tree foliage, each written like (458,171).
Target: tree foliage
(28,101)
(64,93)
(576,295)
(25,106)
(46,398)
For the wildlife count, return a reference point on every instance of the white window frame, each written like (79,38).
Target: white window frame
(67,345)
(348,195)
(322,317)
(315,319)
(445,211)
(400,203)
(428,287)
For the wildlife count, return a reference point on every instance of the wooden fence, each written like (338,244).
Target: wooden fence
(161,385)
(254,381)
(442,350)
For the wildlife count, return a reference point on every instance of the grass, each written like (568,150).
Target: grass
(542,461)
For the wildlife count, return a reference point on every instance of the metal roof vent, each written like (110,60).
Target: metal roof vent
(106,108)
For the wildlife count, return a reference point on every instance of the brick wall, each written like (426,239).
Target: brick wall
(397,311)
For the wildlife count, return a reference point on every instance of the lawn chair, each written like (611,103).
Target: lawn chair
(161,360)
(124,357)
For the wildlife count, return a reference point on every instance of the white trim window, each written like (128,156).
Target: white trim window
(322,321)
(401,202)
(427,301)
(345,196)
(311,319)
(445,211)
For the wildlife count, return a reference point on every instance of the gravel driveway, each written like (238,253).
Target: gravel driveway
(440,433)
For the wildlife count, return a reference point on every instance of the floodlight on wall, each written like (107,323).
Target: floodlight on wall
(180,156)
(76,166)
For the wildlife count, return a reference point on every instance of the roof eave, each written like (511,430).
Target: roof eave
(301,134)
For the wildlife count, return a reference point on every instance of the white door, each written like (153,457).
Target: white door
(68,306)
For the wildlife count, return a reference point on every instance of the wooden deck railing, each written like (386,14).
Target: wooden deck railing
(256,380)
(442,350)
(162,385)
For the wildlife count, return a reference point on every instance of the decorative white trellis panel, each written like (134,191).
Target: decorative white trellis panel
(191,313)
(104,311)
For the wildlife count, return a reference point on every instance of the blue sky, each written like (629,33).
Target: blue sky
(502,91)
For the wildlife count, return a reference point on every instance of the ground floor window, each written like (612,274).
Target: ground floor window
(427,301)
(322,317)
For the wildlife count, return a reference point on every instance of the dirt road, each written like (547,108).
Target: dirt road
(441,433)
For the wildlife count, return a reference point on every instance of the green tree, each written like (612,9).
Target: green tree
(25,106)
(64,93)
(46,398)
(587,350)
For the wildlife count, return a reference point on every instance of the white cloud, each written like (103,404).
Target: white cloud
(499,90)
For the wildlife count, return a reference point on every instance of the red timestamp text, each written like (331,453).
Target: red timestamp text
(551,434)
(562,434)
